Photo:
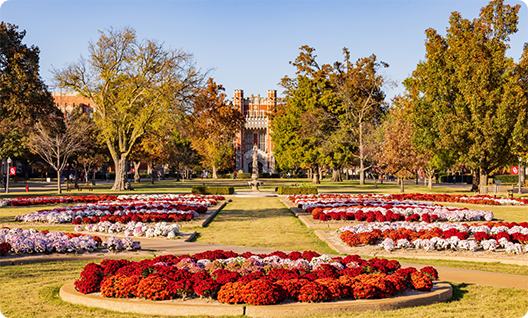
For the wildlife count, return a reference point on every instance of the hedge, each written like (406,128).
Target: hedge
(296,190)
(507,178)
(213,190)
(468,179)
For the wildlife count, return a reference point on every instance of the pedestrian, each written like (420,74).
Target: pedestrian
(235,173)
(5,181)
(289,175)
(454,179)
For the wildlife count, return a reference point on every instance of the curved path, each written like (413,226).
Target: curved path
(160,246)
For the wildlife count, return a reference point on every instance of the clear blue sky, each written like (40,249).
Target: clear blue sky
(249,43)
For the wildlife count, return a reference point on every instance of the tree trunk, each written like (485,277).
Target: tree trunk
(522,174)
(121,183)
(137,177)
(483,181)
(336,175)
(361,156)
(309,173)
(430,175)
(316,179)
(401,185)
(320,172)
(476,180)
(347,175)
(215,176)
(361,173)
(59,189)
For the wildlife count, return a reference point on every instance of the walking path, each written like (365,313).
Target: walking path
(153,247)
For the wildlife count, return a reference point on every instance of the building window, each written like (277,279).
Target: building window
(262,141)
(249,140)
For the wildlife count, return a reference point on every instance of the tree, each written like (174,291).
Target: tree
(136,86)
(58,141)
(212,127)
(24,98)
(397,153)
(301,128)
(467,94)
(306,129)
(360,87)
(354,105)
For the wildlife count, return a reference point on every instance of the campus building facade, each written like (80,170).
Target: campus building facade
(66,102)
(256,131)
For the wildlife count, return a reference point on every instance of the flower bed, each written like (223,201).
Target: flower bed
(439,236)
(344,198)
(144,208)
(253,279)
(18,241)
(373,208)
(132,228)
(23,201)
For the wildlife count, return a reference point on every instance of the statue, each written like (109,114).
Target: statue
(254,175)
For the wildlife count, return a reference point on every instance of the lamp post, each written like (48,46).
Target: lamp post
(519,173)
(8,173)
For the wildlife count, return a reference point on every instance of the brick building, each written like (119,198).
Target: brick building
(256,131)
(67,101)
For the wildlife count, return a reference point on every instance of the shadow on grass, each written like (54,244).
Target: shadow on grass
(50,294)
(459,290)
(196,237)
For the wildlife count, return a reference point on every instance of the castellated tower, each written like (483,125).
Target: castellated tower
(256,131)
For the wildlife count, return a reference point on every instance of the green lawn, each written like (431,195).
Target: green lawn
(31,290)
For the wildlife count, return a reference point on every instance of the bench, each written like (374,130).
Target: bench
(19,180)
(78,186)
(502,189)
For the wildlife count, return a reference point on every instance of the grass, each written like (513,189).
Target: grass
(479,266)
(32,290)
(260,222)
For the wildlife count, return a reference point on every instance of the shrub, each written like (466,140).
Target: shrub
(153,288)
(296,190)
(507,178)
(230,293)
(314,292)
(421,281)
(4,248)
(91,278)
(261,292)
(120,286)
(213,190)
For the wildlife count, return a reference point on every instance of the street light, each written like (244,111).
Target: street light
(520,175)
(8,172)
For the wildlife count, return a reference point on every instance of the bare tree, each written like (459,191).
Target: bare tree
(57,142)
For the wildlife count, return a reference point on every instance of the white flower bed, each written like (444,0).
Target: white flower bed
(137,229)
(32,241)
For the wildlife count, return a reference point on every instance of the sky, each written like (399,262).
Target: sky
(248,44)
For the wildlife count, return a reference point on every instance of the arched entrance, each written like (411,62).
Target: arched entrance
(260,167)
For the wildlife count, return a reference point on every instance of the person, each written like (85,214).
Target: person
(5,181)
(454,179)
(289,175)
(235,173)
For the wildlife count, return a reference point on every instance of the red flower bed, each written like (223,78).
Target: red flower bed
(167,277)
(22,201)
(4,248)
